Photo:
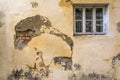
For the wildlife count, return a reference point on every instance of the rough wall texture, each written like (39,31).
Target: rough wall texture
(36,42)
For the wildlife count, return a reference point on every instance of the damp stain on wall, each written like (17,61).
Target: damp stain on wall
(65,3)
(34,4)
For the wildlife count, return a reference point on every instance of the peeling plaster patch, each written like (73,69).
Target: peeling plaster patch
(28,28)
(1,19)
(65,62)
(34,4)
(118,26)
(65,3)
(34,26)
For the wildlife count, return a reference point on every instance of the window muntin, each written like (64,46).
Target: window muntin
(99,19)
(89,20)
(78,18)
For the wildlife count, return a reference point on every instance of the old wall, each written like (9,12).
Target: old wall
(94,53)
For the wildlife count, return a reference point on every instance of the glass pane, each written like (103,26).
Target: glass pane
(78,14)
(99,26)
(89,26)
(89,14)
(78,26)
(99,13)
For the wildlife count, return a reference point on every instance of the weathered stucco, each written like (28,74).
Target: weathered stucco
(93,56)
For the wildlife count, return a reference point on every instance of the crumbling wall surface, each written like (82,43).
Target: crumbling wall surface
(37,42)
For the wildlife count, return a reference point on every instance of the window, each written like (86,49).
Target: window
(90,19)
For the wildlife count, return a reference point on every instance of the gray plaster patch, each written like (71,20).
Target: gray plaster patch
(65,62)
(32,23)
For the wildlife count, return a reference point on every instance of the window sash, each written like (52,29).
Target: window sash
(94,31)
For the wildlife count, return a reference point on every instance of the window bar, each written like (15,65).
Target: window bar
(104,20)
(101,28)
(75,20)
(84,20)
(94,20)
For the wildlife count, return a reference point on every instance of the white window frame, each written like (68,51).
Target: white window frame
(93,6)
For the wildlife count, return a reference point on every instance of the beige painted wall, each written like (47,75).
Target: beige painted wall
(93,52)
